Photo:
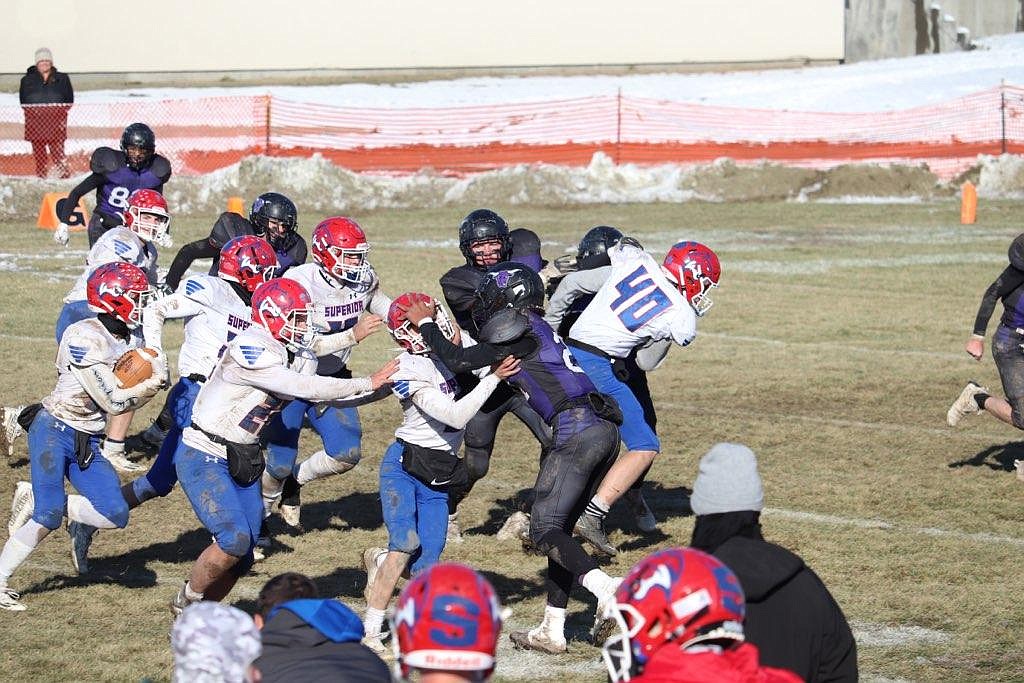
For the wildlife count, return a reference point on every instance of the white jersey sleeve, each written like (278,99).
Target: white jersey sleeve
(116,244)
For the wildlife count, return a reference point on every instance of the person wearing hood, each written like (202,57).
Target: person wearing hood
(1006,349)
(791,616)
(46,126)
(310,639)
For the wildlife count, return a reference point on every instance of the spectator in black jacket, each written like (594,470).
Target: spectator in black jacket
(46,127)
(791,616)
(309,639)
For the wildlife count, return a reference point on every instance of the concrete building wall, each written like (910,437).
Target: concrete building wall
(114,36)
(879,29)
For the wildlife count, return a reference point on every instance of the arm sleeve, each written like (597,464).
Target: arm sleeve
(457,414)
(457,358)
(571,288)
(326,344)
(186,255)
(1008,280)
(380,394)
(281,381)
(101,384)
(93,181)
(172,306)
(651,356)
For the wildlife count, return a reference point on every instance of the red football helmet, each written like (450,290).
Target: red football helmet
(285,310)
(147,215)
(447,618)
(340,247)
(403,330)
(248,260)
(677,597)
(695,270)
(120,289)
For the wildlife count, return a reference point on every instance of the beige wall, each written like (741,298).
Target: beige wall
(207,35)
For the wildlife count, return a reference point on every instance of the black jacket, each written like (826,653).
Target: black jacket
(791,616)
(57,90)
(296,651)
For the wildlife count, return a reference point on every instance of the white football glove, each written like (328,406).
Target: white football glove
(62,234)
(113,451)
(161,369)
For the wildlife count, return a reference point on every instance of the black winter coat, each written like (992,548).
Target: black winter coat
(46,123)
(791,616)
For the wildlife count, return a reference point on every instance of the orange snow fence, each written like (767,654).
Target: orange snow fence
(202,135)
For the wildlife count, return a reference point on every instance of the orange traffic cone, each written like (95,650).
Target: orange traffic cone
(48,213)
(968,203)
(236,205)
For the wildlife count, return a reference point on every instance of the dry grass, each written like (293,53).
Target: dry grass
(833,350)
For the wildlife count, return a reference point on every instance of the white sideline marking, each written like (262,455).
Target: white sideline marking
(836,520)
(945,355)
(870,634)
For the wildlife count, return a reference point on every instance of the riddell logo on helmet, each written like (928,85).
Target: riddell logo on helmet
(457,661)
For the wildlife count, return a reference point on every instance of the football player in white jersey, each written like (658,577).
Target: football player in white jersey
(146,224)
(64,436)
(346,293)
(215,310)
(218,460)
(637,304)
(419,466)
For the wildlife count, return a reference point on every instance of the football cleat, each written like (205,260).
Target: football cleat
(454,532)
(180,601)
(376,644)
(81,538)
(22,506)
(370,566)
(604,620)
(263,543)
(1019,466)
(641,511)
(965,403)
(516,527)
(10,600)
(291,504)
(12,430)
(539,640)
(591,530)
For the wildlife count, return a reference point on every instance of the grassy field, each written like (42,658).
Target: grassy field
(833,350)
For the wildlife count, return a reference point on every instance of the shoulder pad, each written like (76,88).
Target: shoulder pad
(505,326)
(84,346)
(199,288)
(160,167)
(106,160)
(1016,252)
(459,287)
(125,244)
(253,353)
(229,225)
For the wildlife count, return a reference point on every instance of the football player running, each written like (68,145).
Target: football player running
(65,430)
(679,614)
(347,297)
(637,303)
(583,421)
(419,466)
(445,600)
(485,241)
(218,460)
(115,175)
(216,310)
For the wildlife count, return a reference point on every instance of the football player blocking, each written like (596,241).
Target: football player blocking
(218,460)
(65,430)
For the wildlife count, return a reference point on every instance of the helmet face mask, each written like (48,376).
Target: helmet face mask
(274,216)
(340,247)
(489,234)
(120,289)
(147,216)
(507,285)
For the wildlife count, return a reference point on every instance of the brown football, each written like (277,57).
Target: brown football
(133,367)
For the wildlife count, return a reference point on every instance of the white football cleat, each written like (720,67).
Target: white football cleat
(1019,466)
(516,527)
(22,506)
(540,640)
(370,566)
(11,429)
(965,403)
(376,643)
(180,601)
(454,532)
(641,511)
(9,600)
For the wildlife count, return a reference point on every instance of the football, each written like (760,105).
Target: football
(134,366)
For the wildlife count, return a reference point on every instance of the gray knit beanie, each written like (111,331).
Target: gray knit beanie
(727,481)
